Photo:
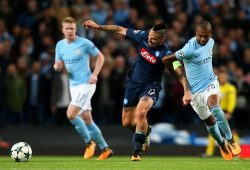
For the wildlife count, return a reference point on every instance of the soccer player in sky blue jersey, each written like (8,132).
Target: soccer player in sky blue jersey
(73,53)
(144,80)
(204,86)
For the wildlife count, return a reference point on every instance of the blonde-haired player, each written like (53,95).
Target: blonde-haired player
(74,53)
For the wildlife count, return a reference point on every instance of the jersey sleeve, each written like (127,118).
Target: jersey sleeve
(168,52)
(57,53)
(92,49)
(185,52)
(136,35)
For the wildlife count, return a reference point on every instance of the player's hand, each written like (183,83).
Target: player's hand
(90,24)
(58,66)
(93,79)
(186,98)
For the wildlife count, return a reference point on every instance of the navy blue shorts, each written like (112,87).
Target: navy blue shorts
(134,91)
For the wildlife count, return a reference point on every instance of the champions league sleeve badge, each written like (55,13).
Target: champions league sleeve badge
(180,53)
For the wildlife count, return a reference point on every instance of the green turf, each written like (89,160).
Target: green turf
(123,163)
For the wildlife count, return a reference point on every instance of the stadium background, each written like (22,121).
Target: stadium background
(33,98)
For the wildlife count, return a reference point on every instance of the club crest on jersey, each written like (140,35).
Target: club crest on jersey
(157,53)
(180,54)
(77,52)
(136,31)
(148,57)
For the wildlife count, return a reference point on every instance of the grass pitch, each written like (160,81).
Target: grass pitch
(123,163)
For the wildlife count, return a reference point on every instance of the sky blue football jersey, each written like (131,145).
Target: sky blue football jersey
(76,58)
(197,61)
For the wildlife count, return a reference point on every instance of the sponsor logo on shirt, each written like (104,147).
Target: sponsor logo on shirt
(73,60)
(147,56)
(204,61)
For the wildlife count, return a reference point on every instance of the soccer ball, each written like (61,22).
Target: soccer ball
(21,152)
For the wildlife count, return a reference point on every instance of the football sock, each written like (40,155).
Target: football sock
(81,128)
(139,139)
(214,131)
(96,134)
(222,121)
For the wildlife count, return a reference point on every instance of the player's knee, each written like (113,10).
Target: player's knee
(70,116)
(210,121)
(86,116)
(141,115)
(126,123)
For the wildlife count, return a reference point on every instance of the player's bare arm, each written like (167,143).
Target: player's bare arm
(97,69)
(183,80)
(168,62)
(58,66)
(108,28)
(175,67)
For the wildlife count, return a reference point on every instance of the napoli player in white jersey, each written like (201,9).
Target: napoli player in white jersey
(204,86)
(73,52)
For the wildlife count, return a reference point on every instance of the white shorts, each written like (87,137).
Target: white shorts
(81,96)
(199,100)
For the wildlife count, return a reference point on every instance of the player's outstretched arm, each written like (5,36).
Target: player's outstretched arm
(97,69)
(58,66)
(168,62)
(109,28)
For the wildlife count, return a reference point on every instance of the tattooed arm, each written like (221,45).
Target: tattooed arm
(175,67)
(109,28)
(183,80)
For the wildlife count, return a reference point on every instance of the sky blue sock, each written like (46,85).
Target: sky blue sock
(222,121)
(96,134)
(81,128)
(215,132)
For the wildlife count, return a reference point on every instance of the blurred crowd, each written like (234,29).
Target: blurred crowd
(32,93)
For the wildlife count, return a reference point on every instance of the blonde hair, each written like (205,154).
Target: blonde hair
(69,20)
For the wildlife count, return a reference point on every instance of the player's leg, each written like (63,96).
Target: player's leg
(128,117)
(93,129)
(97,136)
(153,91)
(146,143)
(212,97)
(80,126)
(200,107)
(214,131)
(141,122)
(213,104)
(79,95)
(131,99)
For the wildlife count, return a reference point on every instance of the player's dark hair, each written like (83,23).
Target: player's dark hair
(204,25)
(160,26)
